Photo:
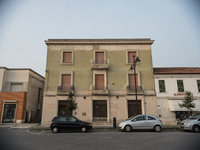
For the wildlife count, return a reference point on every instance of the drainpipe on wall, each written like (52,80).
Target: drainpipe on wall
(47,75)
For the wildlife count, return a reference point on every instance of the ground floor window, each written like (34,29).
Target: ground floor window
(132,108)
(99,110)
(9,113)
(62,109)
(181,115)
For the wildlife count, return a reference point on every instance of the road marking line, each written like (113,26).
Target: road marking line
(34,132)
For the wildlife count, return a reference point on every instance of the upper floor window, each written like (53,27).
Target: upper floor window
(67,57)
(16,87)
(66,82)
(99,82)
(131,79)
(180,86)
(99,58)
(162,85)
(130,56)
(198,85)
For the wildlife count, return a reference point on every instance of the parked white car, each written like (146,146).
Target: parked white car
(191,124)
(141,122)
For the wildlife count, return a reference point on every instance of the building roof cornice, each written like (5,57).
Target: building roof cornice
(98,41)
(18,69)
(177,70)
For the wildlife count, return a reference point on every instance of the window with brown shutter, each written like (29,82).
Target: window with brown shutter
(130,56)
(67,57)
(99,57)
(99,82)
(132,81)
(66,82)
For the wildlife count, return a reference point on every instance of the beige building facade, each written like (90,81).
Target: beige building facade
(98,72)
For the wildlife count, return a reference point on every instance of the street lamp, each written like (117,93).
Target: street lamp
(133,67)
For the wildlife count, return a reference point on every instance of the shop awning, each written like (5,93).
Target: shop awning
(174,105)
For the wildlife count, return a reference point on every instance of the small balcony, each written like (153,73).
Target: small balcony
(100,64)
(100,90)
(64,90)
(131,90)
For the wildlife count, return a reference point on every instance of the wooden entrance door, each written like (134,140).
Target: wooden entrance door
(62,108)
(100,110)
(132,108)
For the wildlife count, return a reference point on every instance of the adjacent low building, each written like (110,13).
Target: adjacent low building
(98,72)
(171,85)
(21,95)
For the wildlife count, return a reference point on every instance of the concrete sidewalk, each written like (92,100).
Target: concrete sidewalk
(18,125)
(37,126)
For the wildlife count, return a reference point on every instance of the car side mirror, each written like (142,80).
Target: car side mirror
(134,120)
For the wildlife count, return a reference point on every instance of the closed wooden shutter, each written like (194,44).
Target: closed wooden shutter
(99,82)
(99,57)
(67,57)
(132,81)
(130,56)
(66,81)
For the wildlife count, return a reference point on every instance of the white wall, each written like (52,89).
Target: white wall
(189,82)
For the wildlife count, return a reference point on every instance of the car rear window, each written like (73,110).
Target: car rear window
(62,119)
(151,118)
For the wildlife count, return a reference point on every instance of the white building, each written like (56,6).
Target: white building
(171,85)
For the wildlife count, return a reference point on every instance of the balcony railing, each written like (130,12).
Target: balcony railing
(100,90)
(132,88)
(99,87)
(64,89)
(99,62)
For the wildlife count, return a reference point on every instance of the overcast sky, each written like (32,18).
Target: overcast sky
(25,24)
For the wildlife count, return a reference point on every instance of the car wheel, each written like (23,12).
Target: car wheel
(128,128)
(55,130)
(196,129)
(83,129)
(157,128)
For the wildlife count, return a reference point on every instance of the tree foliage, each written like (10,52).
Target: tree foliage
(188,102)
(72,105)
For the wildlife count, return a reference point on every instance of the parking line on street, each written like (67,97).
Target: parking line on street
(35,133)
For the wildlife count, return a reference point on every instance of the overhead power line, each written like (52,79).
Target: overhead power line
(63,18)
(21,52)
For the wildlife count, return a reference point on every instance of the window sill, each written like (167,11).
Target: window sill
(67,64)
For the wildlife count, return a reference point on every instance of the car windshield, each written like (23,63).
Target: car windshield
(131,118)
(195,116)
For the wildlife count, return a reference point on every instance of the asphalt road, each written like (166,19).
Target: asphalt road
(23,139)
